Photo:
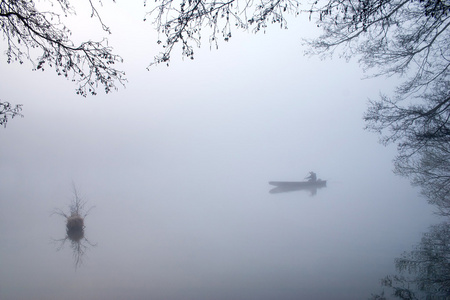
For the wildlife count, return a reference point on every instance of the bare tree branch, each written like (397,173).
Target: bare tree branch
(411,39)
(424,272)
(28,31)
(182,21)
(7,111)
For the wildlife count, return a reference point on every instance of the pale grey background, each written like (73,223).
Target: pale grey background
(177,166)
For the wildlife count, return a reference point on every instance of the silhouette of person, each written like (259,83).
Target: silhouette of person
(312,177)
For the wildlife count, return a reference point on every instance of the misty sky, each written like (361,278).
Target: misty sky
(177,166)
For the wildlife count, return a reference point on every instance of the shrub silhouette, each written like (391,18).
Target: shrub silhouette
(75,228)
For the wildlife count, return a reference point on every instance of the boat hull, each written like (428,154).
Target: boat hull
(299,184)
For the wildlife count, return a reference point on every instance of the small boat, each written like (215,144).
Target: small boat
(299,184)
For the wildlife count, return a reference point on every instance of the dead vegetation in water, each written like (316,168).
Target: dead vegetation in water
(75,228)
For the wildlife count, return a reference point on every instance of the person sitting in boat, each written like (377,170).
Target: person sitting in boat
(312,177)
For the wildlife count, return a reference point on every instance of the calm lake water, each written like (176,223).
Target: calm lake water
(177,166)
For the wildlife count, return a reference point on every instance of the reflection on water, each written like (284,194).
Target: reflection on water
(293,188)
(75,229)
(423,273)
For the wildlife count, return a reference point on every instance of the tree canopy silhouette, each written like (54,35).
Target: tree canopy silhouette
(184,21)
(408,38)
(424,272)
(42,38)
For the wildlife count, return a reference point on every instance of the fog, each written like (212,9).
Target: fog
(177,165)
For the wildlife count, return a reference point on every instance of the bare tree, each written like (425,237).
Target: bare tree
(410,39)
(422,134)
(424,273)
(8,111)
(42,38)
(430,169)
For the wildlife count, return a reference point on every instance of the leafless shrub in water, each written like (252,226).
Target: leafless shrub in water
(75,228)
